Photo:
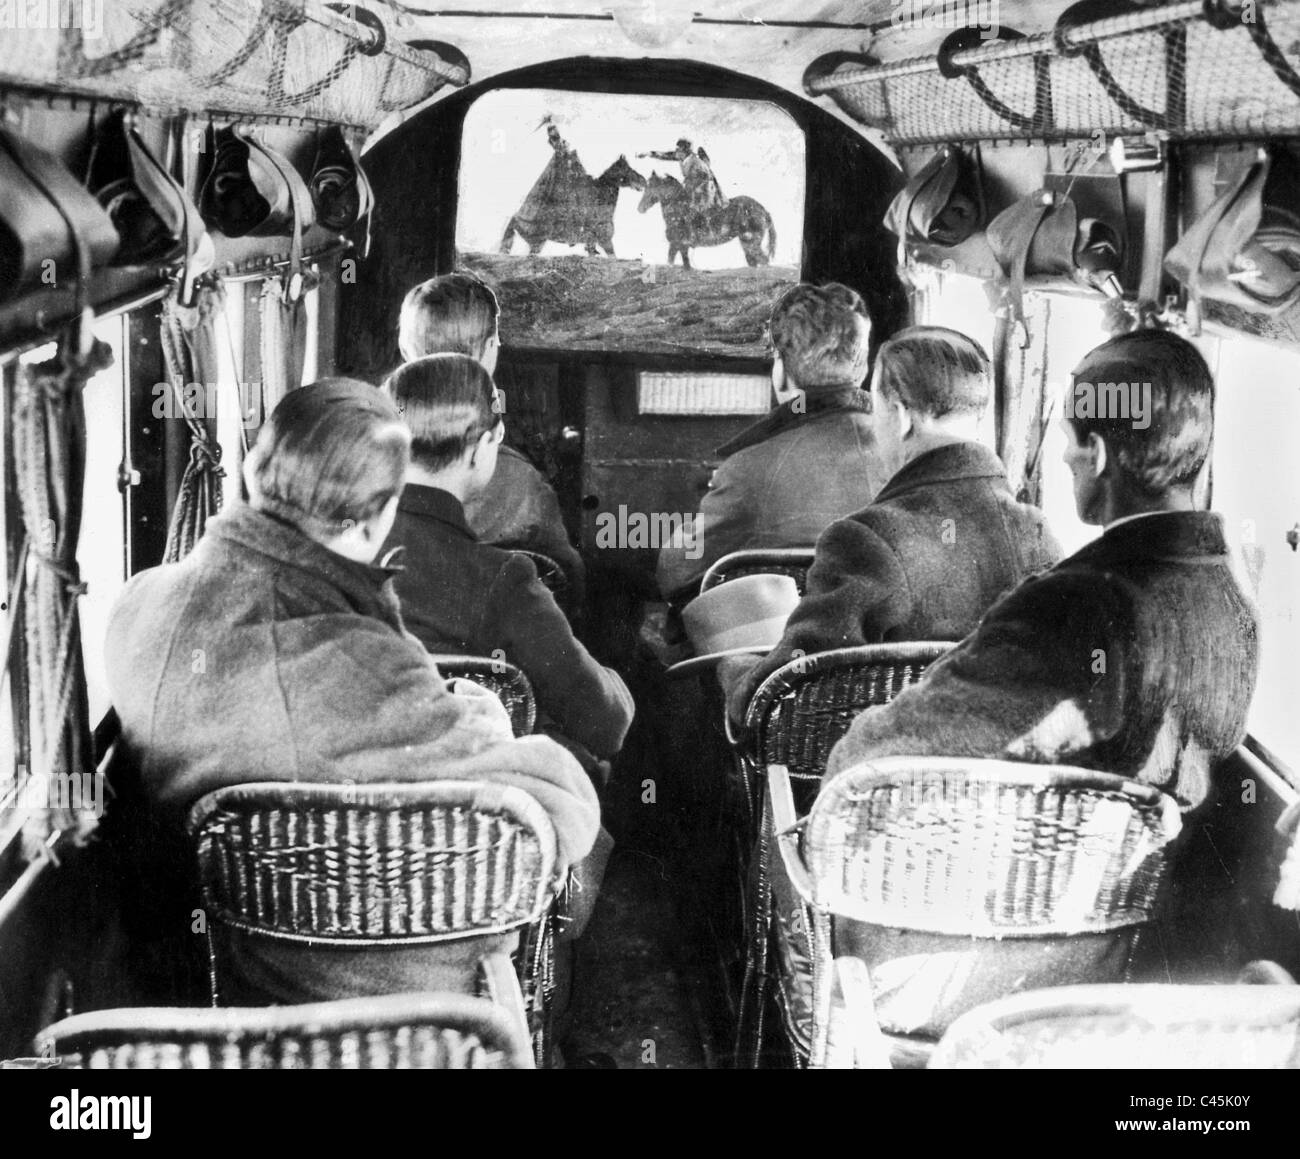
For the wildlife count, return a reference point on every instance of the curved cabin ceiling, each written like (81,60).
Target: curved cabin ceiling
(771,40)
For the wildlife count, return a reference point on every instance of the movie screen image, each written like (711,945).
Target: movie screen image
(631,223)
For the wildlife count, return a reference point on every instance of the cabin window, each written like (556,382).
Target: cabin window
(960,302)
(1256,487)
(101,550)
(582,209)
(8,753)
(1074,326)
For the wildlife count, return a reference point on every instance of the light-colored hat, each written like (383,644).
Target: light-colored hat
(744,616)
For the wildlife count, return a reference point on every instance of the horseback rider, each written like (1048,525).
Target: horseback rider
(703,192)
(563,173)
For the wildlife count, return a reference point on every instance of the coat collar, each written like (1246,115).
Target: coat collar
(367,588)
(966,460)
(435,503)
(814,403)
(1166,534)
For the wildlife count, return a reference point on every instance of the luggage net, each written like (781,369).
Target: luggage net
(1189,70)
(301,58)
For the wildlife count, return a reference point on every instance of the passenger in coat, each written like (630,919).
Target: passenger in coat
(1137,655)
(811,461)
(458,314)
(942,541)
(276,652)
(462,596)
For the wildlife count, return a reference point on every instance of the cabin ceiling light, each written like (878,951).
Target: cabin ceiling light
(653,23)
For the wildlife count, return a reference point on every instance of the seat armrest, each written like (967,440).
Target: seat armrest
(862,1028)
(786,827)
(501,983)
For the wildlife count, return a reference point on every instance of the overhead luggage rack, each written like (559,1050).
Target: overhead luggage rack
(303,58)
(1206,69)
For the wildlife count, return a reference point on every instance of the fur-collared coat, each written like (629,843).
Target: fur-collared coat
(1137,655)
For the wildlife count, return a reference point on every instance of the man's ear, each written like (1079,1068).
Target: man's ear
(491,352)
(485,442)
(1098,455)
(249,481)
(778,373)
(900,416)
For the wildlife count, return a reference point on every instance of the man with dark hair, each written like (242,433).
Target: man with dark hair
(463,596)
(1137,655)
(809,462)
(458,314)
(944,538)
(276,651)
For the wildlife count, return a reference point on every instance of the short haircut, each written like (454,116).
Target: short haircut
(331,455)
(936,371)
(823,335)
(1170,450)
(447,401)
(454,314)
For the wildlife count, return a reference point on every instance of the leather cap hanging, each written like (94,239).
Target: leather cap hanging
(46,215)
(940,205)
(154,216)
(340,190)
(1245,249)
(253,191)
(1042,235)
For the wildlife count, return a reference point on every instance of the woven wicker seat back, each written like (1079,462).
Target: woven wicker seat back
(397,1032)
(988,848)
(1142,1027)
(501,677)
(791,561)
(801,711)
(382,863)
(548,571)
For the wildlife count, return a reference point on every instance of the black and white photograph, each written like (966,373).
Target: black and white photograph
(650,535)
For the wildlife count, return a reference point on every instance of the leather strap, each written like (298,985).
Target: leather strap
(83,336)
(292,280)
(1019,258)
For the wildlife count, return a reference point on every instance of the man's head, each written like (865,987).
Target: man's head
(454,314)
(684,147)
(452,408)
(822,338)
(931,386)
(1139,420)
(331,460)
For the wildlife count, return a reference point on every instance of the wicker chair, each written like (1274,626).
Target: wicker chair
(1140,1027)
(377,865)
(970,849)
(397,1032)
(497,675)
(797,715)
(791,561)
(548,571)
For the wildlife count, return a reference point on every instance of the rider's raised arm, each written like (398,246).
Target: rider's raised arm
(660,156)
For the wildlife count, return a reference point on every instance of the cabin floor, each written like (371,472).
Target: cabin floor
(633,997)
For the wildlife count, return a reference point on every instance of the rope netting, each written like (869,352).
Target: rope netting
(303,58)
(1171,69)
